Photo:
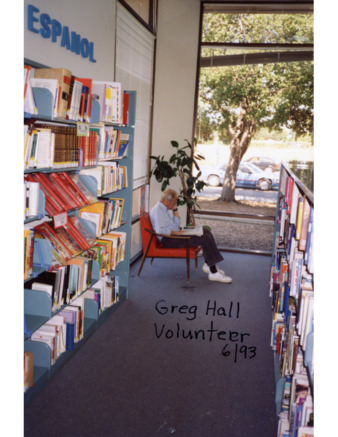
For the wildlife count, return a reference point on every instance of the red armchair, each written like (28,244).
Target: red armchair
(153,248)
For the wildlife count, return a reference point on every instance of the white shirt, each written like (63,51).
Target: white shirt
(163,220)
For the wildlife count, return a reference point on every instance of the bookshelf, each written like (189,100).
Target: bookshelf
(292,296)
(75,275)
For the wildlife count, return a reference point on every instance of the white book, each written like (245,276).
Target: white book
(195,230)
(43,287)
(33,198)
(294,205)
(48,338)
(43,155)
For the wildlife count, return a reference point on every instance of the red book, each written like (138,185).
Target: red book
(63,192)
(74,187)
(125,108)
(81,241)
(42,178)
(86,98)
(46,231)
(52,207)
(59,181)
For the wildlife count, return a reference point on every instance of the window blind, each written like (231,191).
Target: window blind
(134,69)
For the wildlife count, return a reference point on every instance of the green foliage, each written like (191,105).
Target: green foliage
(181,163)
(258,28)
(274,95)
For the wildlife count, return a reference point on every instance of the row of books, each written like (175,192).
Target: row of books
(290,333)
(62,331)
(112,143)
(106,214)
(67,241)
(31,199)
(64,283)
(296,416)
(74,98)
(73,240)
(109,175)
(48,145)
(295,218)
(63,191)
(66,328)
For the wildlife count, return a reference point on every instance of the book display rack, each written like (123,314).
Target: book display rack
(292,297)
(78,198)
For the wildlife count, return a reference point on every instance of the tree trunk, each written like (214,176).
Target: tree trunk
(241,138)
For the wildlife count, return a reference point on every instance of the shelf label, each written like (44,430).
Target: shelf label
(82,129)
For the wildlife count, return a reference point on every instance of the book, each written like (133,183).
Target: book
(29,101)
(28,370)
(86,98)
(64,202)
(96,173)
(52,86)
(51,205)
(68,240)
(58,323)
(117,210)
(109,97)
(32,193)
(62,182)
(62,189)
(64,150)
(299,222)
(88,147)
(60,253)
(107,261)
(125,116)
(74,103)
(29,237)
(305,225)
(63,77)
(79,187)
(46,337)
(94,213)
(194,230)
(123,145)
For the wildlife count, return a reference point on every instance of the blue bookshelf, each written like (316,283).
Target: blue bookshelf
(38,305)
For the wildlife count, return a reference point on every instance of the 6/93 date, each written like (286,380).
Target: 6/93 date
(239,352)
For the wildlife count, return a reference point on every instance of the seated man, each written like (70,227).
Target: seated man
(169,224)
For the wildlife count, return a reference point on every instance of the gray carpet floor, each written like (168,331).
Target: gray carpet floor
(179,359)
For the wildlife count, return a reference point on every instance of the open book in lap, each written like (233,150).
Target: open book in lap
(192,230)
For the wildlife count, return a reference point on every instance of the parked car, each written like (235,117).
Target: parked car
(248,176)
(264,163)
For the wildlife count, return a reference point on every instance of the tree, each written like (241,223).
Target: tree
(243,99)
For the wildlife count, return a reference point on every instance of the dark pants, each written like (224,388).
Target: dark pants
(210,251)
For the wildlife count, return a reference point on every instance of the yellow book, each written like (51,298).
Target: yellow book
(109,244)
(299,217)
(95,214)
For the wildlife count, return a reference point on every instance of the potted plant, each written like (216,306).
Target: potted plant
(180,164)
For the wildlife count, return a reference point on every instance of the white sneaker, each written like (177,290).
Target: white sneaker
(206,269)
(219,277)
